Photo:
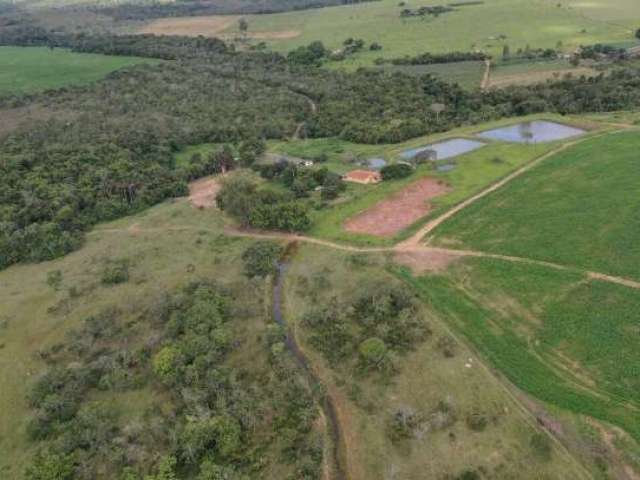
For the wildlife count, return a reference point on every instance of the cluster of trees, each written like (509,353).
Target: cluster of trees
(380,322)
(436,11)
(216,421)
(600,51)
(301,181)
(260,206)
(315,53)
(165,47)
(396,171)
(433,58)
(529,53)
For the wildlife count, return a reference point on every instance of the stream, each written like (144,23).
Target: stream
(326,403)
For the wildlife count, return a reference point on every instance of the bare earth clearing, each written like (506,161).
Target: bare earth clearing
(202,193)
(396,213)
(209,26)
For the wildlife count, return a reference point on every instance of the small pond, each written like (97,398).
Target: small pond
(447,149)
(539,131)
(375,163)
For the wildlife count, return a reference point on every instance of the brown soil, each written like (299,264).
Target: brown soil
(422,261)
(208,26)
(396,213)
(202,193)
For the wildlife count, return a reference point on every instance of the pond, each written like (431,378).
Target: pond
(447,149)
(539,131)
(375,163)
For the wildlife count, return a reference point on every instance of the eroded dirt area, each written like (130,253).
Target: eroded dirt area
(202,192)
(423,261)
(399,211)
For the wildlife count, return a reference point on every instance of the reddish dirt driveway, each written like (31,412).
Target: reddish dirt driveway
(397,212)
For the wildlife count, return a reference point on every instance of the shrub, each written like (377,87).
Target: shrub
(396,171)
(115,271)
(260,259)
(477,422)
(49,466)
(541,446)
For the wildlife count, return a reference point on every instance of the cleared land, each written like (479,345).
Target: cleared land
(399,211)
(578,208)
(208,26)
(29,69)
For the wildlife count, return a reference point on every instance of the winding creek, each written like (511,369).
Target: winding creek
(326,403)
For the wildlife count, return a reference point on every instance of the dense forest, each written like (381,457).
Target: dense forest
(107,149)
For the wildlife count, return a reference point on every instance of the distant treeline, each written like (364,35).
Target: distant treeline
(108,148)
(133,11)
(148,45)
(432,58)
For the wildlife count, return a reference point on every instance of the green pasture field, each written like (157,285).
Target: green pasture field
(538,23)
(425,377)
(560,337)
(578,208)
(31,69)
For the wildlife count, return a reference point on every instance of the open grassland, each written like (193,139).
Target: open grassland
(566,340)
(473,26)
(426,378)
(578,208)
(163,257)
(30,69)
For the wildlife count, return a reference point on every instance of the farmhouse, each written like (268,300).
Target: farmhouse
(365,177)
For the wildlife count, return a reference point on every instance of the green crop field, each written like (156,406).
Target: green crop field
(566,340)
(479,26)
(467,74)
(30,69)
(578,208)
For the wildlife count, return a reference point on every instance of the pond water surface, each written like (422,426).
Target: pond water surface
(447,149)
(539,131)
(375,163)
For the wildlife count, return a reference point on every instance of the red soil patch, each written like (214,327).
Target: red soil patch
(396,213)
(202,193)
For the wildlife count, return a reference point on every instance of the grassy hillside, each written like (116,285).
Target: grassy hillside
(30,69)
(578,208)
(41,318)
(472,26)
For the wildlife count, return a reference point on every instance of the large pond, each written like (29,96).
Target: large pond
(539,131)
(447,149)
